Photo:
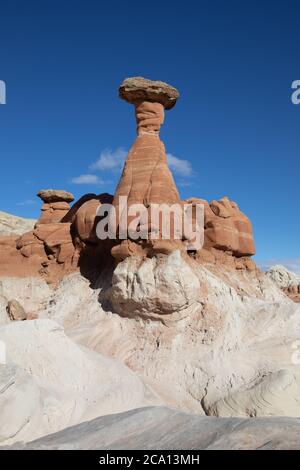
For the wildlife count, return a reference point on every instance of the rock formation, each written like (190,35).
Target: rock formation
(60,237)
(15,311)
(286,280)
(49,383)
(146,289)
(56,205)
(226,227)
(64,238)
(85,220)
(293,292)
(198,330)
(55,195)
(195,336)
(138,89)
(146,178)
(11,225)
(162,428)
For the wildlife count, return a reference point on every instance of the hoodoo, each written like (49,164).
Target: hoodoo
(64,236)
(146,178)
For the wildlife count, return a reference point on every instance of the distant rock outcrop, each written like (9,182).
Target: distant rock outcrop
(286,280)
(52,249)
(13,225)
(282,277)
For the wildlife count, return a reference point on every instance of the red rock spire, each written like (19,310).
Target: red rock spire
(146,178)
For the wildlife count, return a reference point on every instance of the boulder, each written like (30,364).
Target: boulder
(138,89)
(55,195)
(15,311)
(154,287)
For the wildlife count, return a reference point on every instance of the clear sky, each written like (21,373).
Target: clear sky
(233,132)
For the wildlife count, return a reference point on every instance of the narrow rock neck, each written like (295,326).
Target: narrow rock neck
(149,117)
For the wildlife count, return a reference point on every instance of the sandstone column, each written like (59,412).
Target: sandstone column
(146,178)
(55,205)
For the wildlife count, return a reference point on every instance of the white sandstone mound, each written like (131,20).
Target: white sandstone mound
(21,405)
(14,225)
(203,338)
(157,286)
(276,394)
(32,293)
(165,428)
(228,332)
(49,382)
(282,277)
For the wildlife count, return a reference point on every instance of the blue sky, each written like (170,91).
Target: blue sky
(233,132)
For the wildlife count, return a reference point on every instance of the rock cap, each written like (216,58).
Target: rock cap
(55,195)
(137,89)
